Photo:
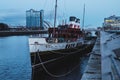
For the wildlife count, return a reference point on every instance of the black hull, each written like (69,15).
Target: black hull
(54,62)
(49,58)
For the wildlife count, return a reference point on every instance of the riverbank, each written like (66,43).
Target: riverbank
(12,33)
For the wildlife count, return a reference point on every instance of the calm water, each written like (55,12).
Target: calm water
(15,62)
(14,58)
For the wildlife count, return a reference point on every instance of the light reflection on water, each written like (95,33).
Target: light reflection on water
(83,63)
(14,58)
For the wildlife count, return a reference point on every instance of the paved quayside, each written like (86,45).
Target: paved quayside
(93,69)
(104,61)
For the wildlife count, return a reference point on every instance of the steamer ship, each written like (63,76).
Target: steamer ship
(63,40)
(63,37)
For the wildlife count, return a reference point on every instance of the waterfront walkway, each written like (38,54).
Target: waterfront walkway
(93,69)
(104,61)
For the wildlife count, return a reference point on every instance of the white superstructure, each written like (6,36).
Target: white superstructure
(40,44)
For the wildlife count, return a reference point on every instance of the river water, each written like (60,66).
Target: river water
(14,58)
(15,63)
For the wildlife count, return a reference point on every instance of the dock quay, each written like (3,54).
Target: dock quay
(92,71)
(104,61)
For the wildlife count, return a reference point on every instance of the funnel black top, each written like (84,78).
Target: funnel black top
(72,18)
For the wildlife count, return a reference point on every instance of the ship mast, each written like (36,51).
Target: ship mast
(55,17)
(55,13)
(83,17)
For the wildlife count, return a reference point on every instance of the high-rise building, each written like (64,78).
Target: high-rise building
(34,18)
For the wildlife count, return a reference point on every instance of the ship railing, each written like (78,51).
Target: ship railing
(38,36)
(60,40)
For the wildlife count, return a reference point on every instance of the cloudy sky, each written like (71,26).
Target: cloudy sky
(12,12)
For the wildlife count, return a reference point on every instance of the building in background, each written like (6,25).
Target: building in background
(112,21)
(34,18)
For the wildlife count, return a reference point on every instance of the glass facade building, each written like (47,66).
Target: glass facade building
(33,18)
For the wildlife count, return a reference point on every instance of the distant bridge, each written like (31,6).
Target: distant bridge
(30,32)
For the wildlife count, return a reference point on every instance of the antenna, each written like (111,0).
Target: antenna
(83,17)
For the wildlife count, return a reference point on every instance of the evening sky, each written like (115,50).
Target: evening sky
(13,12)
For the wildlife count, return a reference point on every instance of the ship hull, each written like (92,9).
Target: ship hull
(50,58)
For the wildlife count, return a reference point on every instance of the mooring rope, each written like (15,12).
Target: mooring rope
(46,70)
(54,75)
(33,67)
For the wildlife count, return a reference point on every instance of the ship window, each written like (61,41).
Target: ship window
(71,24)
(36,42)
(75,26)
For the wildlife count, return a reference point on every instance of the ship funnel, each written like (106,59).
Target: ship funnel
(72,18)
(77,20)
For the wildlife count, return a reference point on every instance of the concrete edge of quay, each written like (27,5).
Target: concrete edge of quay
(104,61)
(93,68)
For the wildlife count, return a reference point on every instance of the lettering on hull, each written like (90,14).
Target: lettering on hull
(70,46)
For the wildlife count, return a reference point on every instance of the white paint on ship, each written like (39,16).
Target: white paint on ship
(40,44)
